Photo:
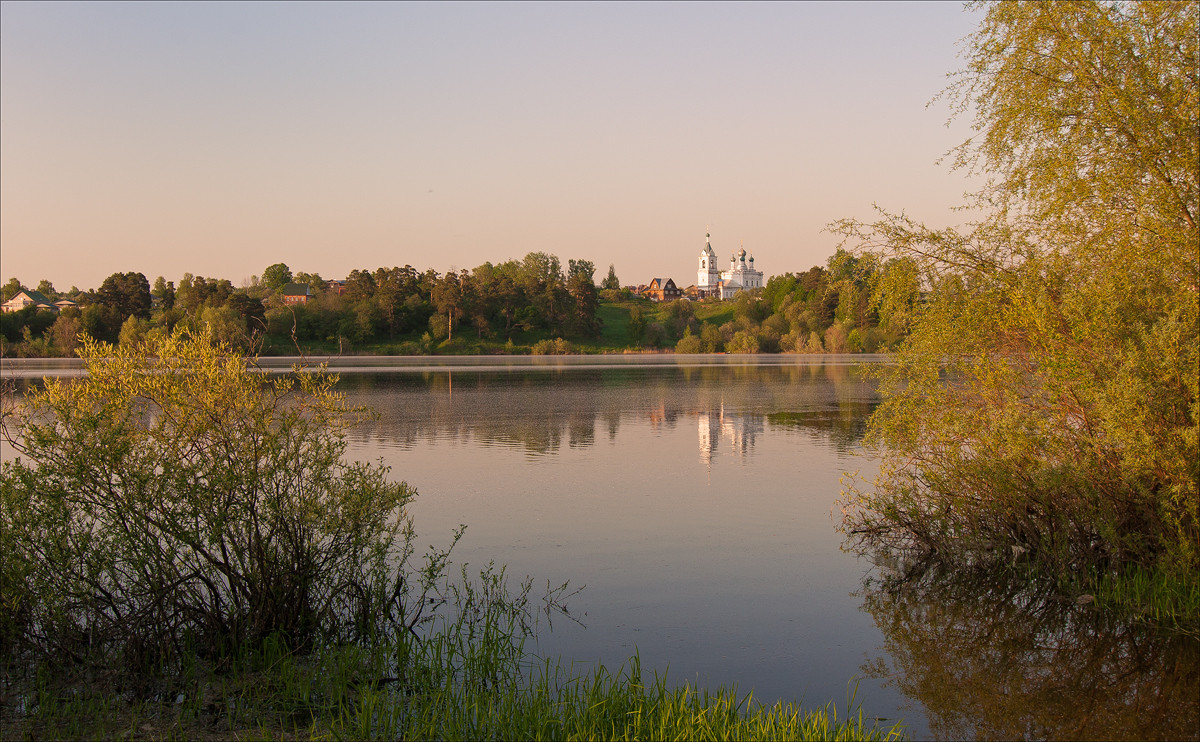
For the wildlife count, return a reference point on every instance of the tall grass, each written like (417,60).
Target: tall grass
(1167,600)
(558,704)
(464,677)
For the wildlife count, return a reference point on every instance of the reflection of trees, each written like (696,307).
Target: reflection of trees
(539,410)
(992,658)
(844,424)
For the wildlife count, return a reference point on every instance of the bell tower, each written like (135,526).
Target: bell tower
(708,275)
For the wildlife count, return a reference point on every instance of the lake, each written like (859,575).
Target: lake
(695,498)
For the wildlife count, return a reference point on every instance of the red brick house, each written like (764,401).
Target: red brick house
(296,293)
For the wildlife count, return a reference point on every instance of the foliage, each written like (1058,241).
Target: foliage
(465,677)
(555,347)
(11,289)
(743,341)
(176,501)
(276,276)
(164,291)
(1046,400)
(13,324)
(611,282)
(711,339)
(64,333)
(133,331)
(689,343)
(127,293)
(637,325)
(197,292)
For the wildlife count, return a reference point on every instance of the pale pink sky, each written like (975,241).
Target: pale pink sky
(219,138)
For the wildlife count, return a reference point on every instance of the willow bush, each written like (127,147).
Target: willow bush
(175,502)
(1045,404)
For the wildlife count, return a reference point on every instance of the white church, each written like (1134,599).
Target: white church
(725,284)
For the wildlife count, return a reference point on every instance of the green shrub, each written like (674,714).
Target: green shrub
(689,343)
(174,498)
(555,347)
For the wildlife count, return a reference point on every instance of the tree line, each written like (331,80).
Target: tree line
(422,307)
(534,302)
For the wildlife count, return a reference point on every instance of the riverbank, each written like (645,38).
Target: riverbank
(353,693)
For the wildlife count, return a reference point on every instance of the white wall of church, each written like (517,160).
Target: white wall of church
(741,274)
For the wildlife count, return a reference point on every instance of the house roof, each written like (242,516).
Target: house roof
(297,289)
(37,297)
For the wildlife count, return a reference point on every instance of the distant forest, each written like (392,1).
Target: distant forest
(532,305)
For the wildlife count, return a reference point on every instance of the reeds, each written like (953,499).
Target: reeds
(557,705)
(465,677)
(1162,599)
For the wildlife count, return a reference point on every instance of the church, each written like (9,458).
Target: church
(725,284)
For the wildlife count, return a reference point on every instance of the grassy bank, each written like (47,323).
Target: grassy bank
(344,694)
(616,335)
(463,674)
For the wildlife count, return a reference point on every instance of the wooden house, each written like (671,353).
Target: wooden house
(663,289)
(27,298)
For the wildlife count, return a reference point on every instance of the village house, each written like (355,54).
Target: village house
(661,289)
(296,293)
(28,298)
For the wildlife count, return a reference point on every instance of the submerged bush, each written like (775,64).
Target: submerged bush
(174,500)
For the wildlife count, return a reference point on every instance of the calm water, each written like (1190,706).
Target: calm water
(695,499)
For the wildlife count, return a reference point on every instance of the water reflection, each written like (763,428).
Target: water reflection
(988,658)
(738,431)
(692,500)
(540,411)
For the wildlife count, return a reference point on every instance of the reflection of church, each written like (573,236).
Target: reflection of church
(725,284)
(739,432)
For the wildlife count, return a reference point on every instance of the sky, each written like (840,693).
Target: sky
(220,138)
